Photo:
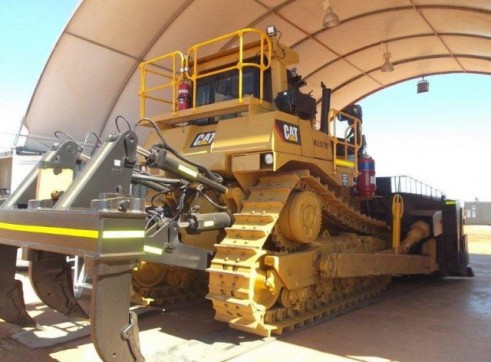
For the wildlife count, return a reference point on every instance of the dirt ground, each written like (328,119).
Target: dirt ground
(479,238)
(430,319)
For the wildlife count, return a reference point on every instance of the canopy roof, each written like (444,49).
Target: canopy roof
(92,75)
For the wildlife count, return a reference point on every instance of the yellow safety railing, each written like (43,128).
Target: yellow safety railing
(349,147)
(194,74)
(169,67)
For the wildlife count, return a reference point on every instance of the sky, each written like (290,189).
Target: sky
(440,137)
(29,30)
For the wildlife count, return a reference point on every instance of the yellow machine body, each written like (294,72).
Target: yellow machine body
(237,147)
(291,253)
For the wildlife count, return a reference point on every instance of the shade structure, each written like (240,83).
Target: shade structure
(92,74)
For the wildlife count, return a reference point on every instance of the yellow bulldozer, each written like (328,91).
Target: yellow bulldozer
(241,192)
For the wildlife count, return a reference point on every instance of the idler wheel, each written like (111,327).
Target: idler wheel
(149,274)
(265,290)
(301,218)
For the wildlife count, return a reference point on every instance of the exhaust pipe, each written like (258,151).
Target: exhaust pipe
(325,106)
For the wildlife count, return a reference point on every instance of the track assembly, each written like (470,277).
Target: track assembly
(248,294)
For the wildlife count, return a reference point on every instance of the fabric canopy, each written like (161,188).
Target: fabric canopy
(92,75)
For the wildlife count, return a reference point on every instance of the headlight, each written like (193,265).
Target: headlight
(268,159)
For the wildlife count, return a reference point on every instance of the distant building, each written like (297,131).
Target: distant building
(477,213)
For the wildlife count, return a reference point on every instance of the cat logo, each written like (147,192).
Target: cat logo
(203,139)
(289,132)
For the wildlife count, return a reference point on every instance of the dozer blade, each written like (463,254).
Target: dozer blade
(51,279)
(12,306)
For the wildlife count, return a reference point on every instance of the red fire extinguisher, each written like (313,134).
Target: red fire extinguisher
(366,181)
(183,95)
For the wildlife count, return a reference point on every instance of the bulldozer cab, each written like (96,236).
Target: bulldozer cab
(225,86)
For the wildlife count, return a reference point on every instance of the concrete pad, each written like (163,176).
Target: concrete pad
(48,336)
(440,320)
(417,319)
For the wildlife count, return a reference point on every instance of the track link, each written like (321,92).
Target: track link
(283,319)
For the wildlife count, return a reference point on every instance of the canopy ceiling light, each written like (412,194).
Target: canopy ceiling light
(330,19)
(387,66)
(271,31)
(423,86)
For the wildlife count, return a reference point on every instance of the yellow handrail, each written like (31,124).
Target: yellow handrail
(192,56)
(180,66)
(172,76)
(354,127)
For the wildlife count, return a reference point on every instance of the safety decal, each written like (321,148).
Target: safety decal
(344,179)
(203,139)
(288,132)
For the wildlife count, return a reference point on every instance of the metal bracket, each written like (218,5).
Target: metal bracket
(164,247)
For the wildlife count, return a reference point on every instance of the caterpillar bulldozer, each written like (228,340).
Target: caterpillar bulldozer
(239,193)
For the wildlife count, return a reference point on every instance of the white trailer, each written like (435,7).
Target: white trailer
(14,167)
